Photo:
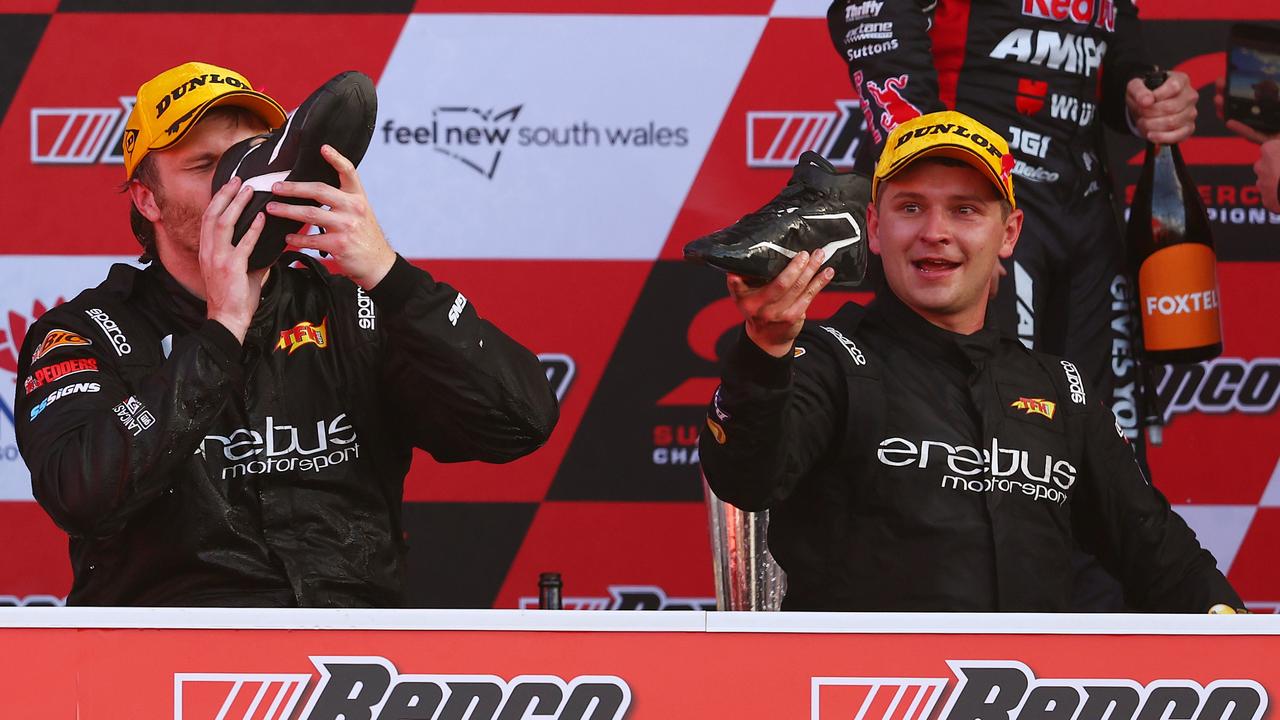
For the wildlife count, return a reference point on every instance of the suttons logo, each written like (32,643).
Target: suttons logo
(777,138)
(57,338)
(1036,406)
(1006,689)
(304,333)
(371,687)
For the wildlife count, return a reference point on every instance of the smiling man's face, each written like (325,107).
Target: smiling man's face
(940,228)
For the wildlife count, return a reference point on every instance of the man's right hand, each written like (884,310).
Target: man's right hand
(775,312)
(230,289)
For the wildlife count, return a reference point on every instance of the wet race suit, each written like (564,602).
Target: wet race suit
(1044,72)
(868,444)
(189,470)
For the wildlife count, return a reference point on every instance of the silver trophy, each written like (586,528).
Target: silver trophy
(747,576)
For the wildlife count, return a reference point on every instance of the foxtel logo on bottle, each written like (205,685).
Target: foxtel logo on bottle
(1181,304)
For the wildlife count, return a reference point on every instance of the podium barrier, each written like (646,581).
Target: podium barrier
(97,663)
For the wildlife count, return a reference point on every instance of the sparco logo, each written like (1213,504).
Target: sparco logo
(992,469)
(853,350)
(1220,386)
(1074,382)
(114,334)
(371,688)
(776,138)
(284,448)
(1008,689)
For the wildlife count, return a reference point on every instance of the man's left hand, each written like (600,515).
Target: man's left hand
(351,232)
(1268,171)
(1167,114)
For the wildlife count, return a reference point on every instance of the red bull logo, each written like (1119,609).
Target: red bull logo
(894,108)
(304,333)
(1035,406)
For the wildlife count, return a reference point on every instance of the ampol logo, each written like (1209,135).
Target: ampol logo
(371,687)
(1007,689)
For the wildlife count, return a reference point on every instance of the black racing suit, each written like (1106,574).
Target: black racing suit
(1043,72)
(908,468)
(189,470)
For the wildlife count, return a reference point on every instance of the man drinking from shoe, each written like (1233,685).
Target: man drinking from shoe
(911,456)
(208,433)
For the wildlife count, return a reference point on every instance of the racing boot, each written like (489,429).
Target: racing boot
(339,113)
(819,208)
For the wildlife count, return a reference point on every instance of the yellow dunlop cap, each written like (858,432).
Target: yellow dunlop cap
(171,103)
(947,134)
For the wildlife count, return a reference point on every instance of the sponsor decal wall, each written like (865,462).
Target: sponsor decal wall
(649,667)
(550,159)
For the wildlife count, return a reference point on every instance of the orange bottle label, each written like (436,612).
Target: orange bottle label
(1178,291)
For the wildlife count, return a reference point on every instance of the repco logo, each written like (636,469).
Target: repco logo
(1220,386)
(372,688)
(1008,690)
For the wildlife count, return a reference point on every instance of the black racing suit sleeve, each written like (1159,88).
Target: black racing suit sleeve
(885,72)
(100,450)
(1120,517)
(778,416)
(462,388)
(1126,58)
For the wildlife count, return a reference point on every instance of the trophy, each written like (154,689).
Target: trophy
(747,576)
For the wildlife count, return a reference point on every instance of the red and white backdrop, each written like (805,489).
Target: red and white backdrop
(551,157)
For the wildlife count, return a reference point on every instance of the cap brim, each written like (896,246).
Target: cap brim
(268,110)
(950,150)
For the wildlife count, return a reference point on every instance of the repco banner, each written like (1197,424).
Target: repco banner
(204,664)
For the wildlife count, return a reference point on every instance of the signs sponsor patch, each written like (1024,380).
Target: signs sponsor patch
(62,392)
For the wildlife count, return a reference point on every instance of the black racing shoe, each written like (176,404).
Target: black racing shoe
(340,113)
(819,208)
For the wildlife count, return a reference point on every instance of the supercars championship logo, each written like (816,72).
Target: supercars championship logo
(1008,689)
(371,687)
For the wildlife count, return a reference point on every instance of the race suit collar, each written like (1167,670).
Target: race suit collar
(925,337)
(192,311)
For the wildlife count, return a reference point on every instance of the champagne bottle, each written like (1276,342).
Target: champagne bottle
(1171,249)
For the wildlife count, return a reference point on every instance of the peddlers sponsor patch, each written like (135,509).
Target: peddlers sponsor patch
(57,371)
(1035,406)
(304,333)
(57,338)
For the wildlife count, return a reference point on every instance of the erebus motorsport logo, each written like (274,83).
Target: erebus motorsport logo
(79,135)
(1008,689)
(477,137)
(283,448)
(989,469)
(628,597)
(372,688)
(777,138)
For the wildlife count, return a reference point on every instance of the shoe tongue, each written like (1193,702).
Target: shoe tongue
(813,169)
